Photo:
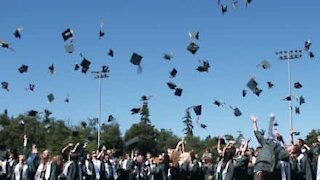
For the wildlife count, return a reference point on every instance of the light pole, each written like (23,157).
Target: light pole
(289,55)
(104,73)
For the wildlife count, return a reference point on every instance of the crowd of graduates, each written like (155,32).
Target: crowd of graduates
(273,159)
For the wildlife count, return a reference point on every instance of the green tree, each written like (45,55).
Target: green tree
(166,139)
(111,136)
(188,130)
(312,136)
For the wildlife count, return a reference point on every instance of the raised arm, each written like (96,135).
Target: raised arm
(291,136)
(219,146)
(254,122)
(25,143)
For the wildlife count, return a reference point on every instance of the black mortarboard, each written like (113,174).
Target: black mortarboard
(69,48)
(31,87)
(237,112)
(83,124)
(297,85)
(248,2)
(296,133)
(51,69)
(204,67)
(297,110)
(67,34)
(50,97)
(228,137)
(101,33)
(270,84)
(178,92)
(224,9)
(218,103)
(135,110)
(47,113)
(311,55)
(21,123)
(288,98)
(32,113)
(194,35)
(110,118)
(275,124)
(144,98)
(66,100)
(76,67)
(301,100)
(203,125)
(85,64)
(17,33)
(244,93)
(173,73)
(23,69)
(5,45)
(111,53)
(257,91)
(264,64)
(197,110)
(167,56)
(252,84)
(136,60)
(171,85)
(193,48)
(5,85)
(75,133)
(307,45)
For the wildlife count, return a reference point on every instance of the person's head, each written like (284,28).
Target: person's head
(258,150)
(94,155)
(300,142)
(296,150)
(88,156)
(34,148)
(148,156)
(229,153)
(140,158)
(21,159)
(45,155)
(318,138)
(109,152)
(106,157)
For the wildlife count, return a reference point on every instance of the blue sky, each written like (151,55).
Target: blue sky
(233,43)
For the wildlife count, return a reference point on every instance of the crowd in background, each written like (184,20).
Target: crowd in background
(273,159)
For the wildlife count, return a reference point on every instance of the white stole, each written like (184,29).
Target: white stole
(17,172)
(87,167)
(225,170)
(318,168)
(66,167)
(47,172)
(97,166)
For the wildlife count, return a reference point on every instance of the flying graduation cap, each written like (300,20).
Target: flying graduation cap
(311,55)
(69,48)
(136,60)
(101,32)
(193,48)
(307,45)
(264,64)
(31,87)
(301,100)
(110,118)
(47,113)
(297,110)
(197,110)
(297,85)
(194,35)
(224,9)
(253,86)
(23,69)
(5,85)
(6,45)
(173,73)
(135,110)
(218,103)
(67,34)
(17,33)
(288,98)
(236,111)
(244,93)
(167,56)
(204,67)
(178,92)
(32,113)
(270,84)
(51,69)
(171,85)
(50,97)
(111,53)
(85,65)
(248,2)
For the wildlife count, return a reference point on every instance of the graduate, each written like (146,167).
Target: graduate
(300,164)
(47,170)
(32,158)
(21,171)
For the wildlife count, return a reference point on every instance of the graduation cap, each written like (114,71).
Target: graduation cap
(264,64)
(32,113)
(288,98)
(85,64)
(257,91)
(50,97)
(193,48)
(83,124)
(110,118)
(75,133)
(21,123)
(67,34)
(236,111)
(296,133)
(228,137)
(173,73)
(197,110)
(76,67)
(244,93)
(301,100)
(297,85)
(204,67)
(111,53)
(252,84)
(217,103)
(135,110)
(145,98)
(307,45)
(47,113)
(171,85)
(275,124)
(224,9)
(270,84)
(235,4)
(194,35)
(17,33)
(248,2)
(101,33)
(136,60)
(167,56)
(69,48)
(311,55)
(203,125)
(6,45)
(178,92)
(31,87)
(5,85)
(297,110)
(66,100)
(51,69)
(23,69)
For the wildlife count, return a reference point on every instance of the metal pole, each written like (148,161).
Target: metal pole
(99,117)
(290,102)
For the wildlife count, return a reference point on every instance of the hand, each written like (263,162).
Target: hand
(253,118)
(291,132)
(70,144)
(25,137)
